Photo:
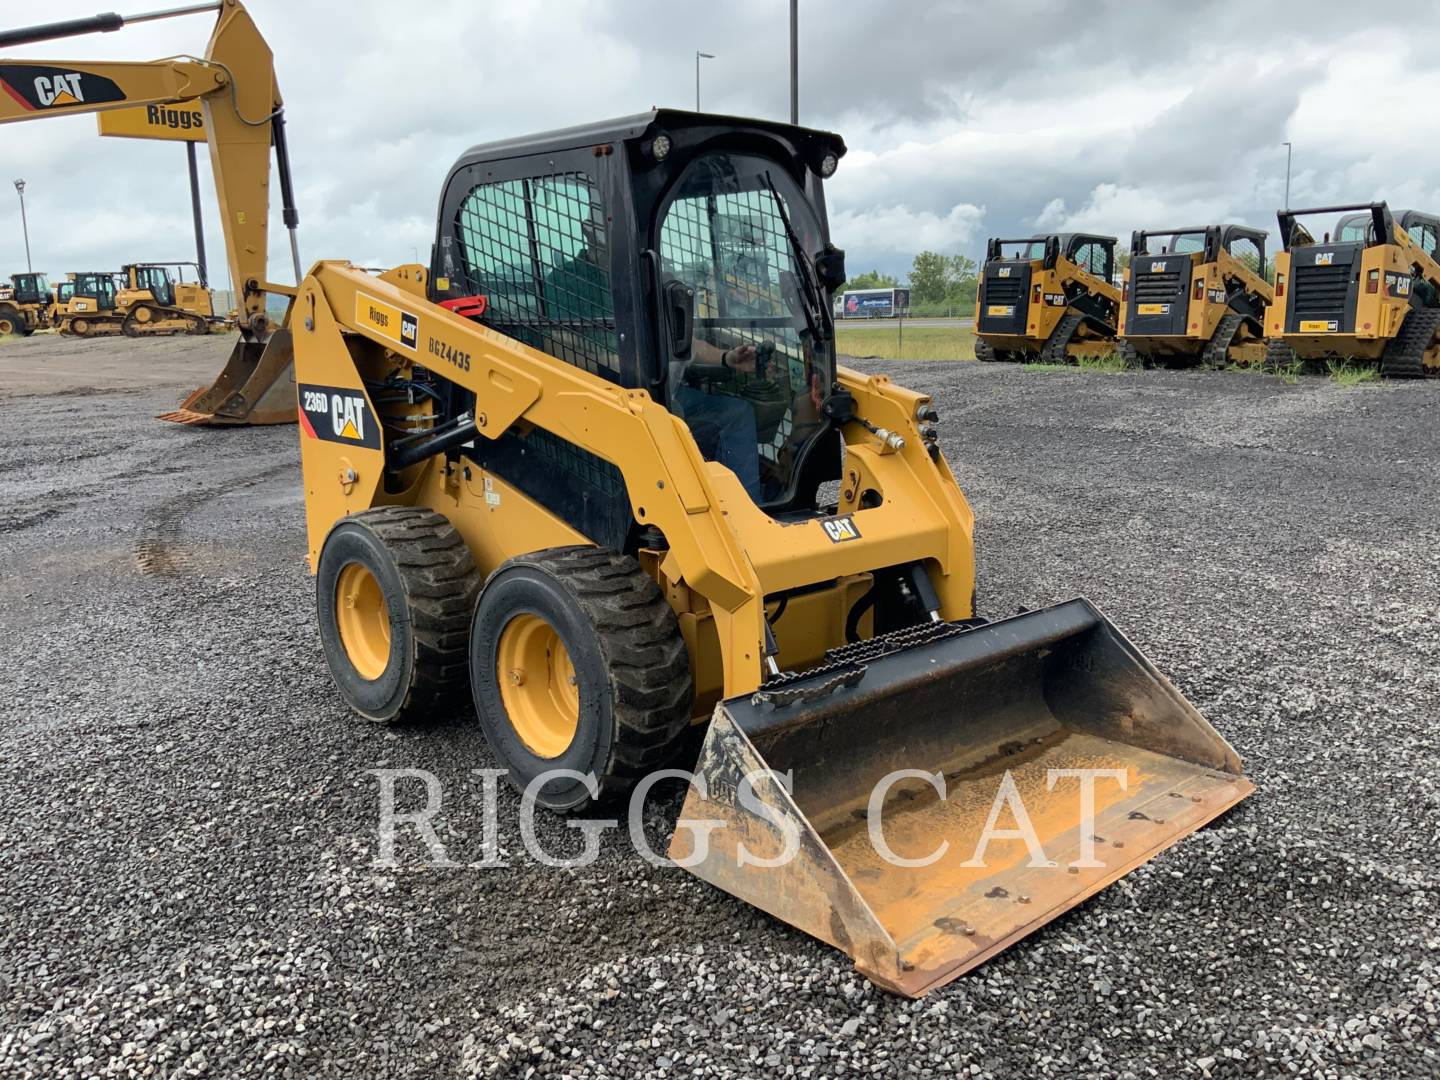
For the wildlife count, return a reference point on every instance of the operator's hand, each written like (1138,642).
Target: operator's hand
(741,358)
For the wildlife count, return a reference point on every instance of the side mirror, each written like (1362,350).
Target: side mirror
(830,268)
(678,300)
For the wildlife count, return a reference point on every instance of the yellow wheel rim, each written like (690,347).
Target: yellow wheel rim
(538,685)
(6,327)
(363,620)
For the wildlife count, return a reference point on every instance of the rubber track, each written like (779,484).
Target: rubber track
(1278,355)
(1058,343)
(441,585)
(1404,356)
(1216,353)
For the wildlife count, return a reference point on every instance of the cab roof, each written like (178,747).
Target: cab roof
(644,126)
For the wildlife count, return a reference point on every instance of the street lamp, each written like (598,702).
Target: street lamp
(24,225)
(698,57)
(1289,151)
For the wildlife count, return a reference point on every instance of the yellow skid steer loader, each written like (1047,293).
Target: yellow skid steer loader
(1370,291)
(1047,298)
(596,469)
(1195,296)
(575,468)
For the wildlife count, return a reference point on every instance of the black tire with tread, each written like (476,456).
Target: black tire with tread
(1404,355)
(430,587)
(11,316)
(633,670)
(1216,353)
(1057,345)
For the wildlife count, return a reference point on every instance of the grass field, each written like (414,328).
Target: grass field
(896,342)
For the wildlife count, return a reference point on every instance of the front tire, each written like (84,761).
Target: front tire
(395,587)
(577,662)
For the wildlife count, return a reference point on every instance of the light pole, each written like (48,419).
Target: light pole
(794,61)
(24,225)
(698,57)
(1289,152)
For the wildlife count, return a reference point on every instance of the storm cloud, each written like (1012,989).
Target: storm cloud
(964,120)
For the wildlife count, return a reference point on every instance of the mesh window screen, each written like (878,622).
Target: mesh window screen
(732,249)
(537,249)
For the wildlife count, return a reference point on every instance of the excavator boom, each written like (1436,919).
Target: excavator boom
(244,114)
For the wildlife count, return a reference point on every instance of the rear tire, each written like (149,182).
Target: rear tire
(10,321)
(1404,355)
(594,620)
(394,590)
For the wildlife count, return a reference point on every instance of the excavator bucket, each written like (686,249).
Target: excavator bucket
(257,386)
(925,800)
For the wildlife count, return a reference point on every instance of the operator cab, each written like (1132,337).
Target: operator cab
(680,253)
(98,287)
(30,289)
(153,279)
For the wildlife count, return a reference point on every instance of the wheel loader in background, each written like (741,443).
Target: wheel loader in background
(1369,291)
(25,307)
(576,470)
(1047,298)
(244,119)
(1199,299)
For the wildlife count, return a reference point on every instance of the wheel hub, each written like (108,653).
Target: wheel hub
(538,685)
(363,620)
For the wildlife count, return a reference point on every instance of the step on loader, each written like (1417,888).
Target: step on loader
(1369,291)
(1195,296)
(575,471)
(1050,299)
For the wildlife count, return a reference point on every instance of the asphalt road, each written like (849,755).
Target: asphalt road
(188,822)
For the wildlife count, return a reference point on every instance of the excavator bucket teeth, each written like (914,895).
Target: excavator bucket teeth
(925,800)
(257,386)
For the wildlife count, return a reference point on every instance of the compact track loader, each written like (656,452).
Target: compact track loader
(1195,296)
(1047,298)
(596,469)
(26,307)
(244,119)
(1369,291)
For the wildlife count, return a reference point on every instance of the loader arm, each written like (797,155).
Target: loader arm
(236,86)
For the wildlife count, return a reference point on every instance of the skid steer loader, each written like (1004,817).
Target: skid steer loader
(25,307)
(1047,298)
(244,119)
(1370,291)
(1195,296)
(577,470)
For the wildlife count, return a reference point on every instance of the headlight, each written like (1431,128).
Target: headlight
(828,164)
(660,147)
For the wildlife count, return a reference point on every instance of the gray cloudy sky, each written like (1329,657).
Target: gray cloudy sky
(963,119)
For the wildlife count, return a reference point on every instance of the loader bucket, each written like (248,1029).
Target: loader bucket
(257,386)
(1000,715)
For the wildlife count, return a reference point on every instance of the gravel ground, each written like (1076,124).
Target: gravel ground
(188,828)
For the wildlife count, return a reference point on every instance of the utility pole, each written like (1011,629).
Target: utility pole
(698,57)
(794,61)
(1289,152)
(24,225)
